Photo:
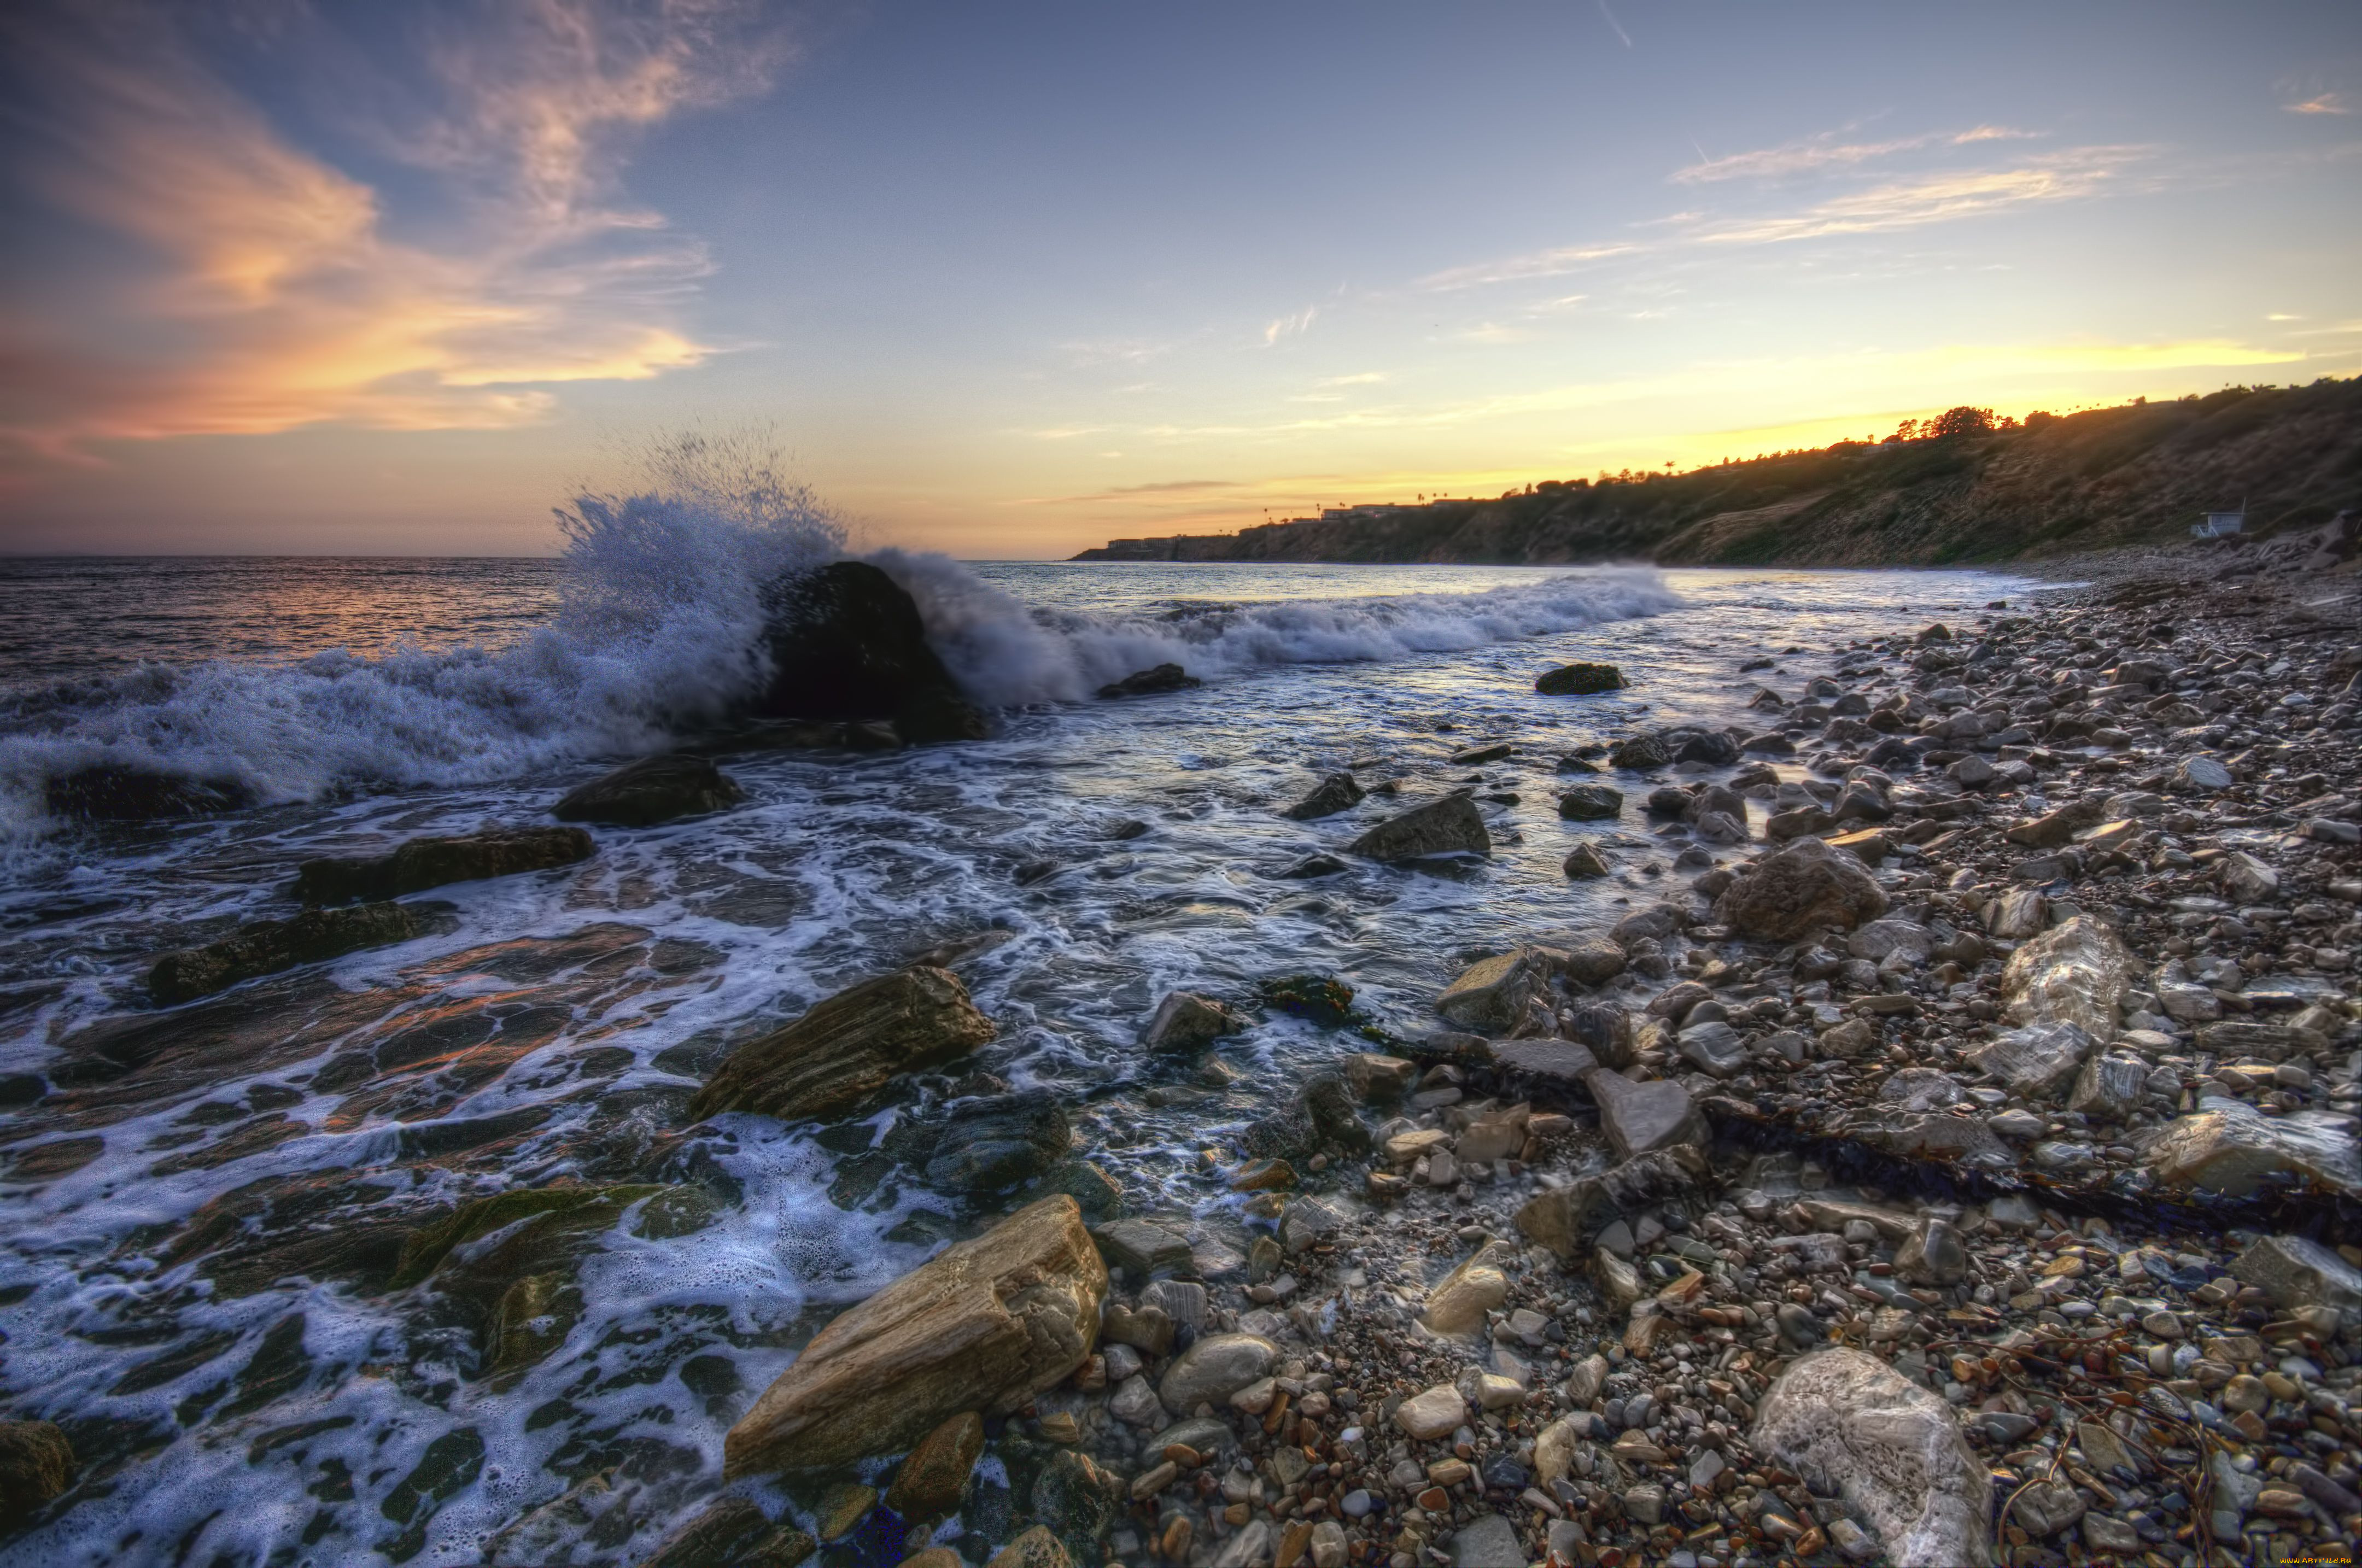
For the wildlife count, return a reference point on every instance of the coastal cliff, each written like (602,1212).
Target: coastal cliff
(2137,473)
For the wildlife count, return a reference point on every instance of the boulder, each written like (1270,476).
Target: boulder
(2034,1061)
(846,1048)
(1591,802)
(1639,753)
(985,1325)
(1337,793)
(2296,1272)
(423,863)
(651,790)
(1507,994)
(2111,1087)
(37,1465)
(1639,1119)
(1891,1447)
(1580,680)
(1151,683)
(2075,973)
(928,1483)
(729,1532)
(1140,1247)
(268,946)
(1793,891)
(1214,1368)
(847,642)
(1186,1023)
(2229,1147)
(1451,825)
(112,794)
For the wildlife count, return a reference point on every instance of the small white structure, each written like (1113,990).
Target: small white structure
(2221,524)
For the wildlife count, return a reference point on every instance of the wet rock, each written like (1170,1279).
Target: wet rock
(847,642)
(730,1532)
(1640,1119)
(1140,1248)
(2202,775)
(984,1325)
(2036,1060)
(268,946)
(1337,793)
(1379,1079)
(108,793)
(1075,1497)
(2044,1508)
(1933,1254)
(1037,1548)
(1591,802)
(1714,1048)
(845,1049)
(1449,826)
(1323,999)
(1796,891)
(1153,681)
(2075,973)
(1313,866)
(2229,1147)
(37,1465)
(423,863)
(1186,1023)
(1891,1447)
(1214,1368)
(998,1142)
(929,1482)
(651,790)
(1580,680)
(1639,753)
(1509,994)
(1584,861)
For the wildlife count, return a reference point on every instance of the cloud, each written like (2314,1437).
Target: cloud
(1291,326)
(2318,103)
(1610,17)
(243,284)
(1939,198)
(1540,264)
(1815,153)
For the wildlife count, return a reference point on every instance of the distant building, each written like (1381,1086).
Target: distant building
(2220,524)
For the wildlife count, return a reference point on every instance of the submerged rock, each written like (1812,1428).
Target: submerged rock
(113,794)
(847,642)
(651,790)
(1794,891)
(1337,793)
(37,1465)
(985,1325)
(928,1484)
(998,1142)
(1451,825)
(1151,683)
(1580,680)
(423,863)
(268,946)
(1891,1447)
(848,1047)
(1186,1021)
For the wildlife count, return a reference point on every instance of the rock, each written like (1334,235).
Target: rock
(847,642)
(2229,1147)
(1639,1119)
(1313,866)
(1580,680)
(653,789)
(1214,1368)
(1323,999)
(2202,775)
(1140,1248)
(1882,939)
(267,946)
(1933,1254)
(1714,1048)
(1593,960)
(1335,793)
(1458,1303)
(1585,861)
(1562,1219)
(1152,682)
(2247,880)
(1490,1541)
(1378,1078)
(999,1142)
(1148,1329)
(929,1484)
(1476,756)
(108,793)
(729,1532)
(1891,1447)
(2077,972)
(1075,1498)
(984,1325)
(2034,1061)
(1793,891)
(2295,1272)
(423,863)
(1591,802)
(1432,1413)
(1037,1548)
(2047,1508)
(1509,994)
(1186,1023)
(847,1048)
(2110,1087)
(1639,753)
(1135,1403)
(1451,825)
(37,1465)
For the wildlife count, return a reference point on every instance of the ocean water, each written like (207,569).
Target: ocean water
(550,1026)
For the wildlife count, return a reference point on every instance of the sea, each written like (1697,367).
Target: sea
(250,1406)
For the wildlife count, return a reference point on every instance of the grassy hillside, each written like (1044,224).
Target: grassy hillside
(2139,474)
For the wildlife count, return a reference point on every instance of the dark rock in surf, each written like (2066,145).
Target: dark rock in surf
(1640,753)
(423,863)
(847,642)
(848,1047)
(1314,865)
(731,1531)
(1325,1001)
(651,790)
(1151,683)
(1451,825)
(1580,680)
(37,1465)
(1591,802)
(1687,743)
(992,1145)
(267,946)
(111,794)
(1337,793)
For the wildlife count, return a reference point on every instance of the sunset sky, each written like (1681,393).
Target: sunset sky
(1009,280)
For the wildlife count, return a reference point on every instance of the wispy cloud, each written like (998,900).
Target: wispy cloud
(1549,263)
(265,286)
(2319,103)
(1816,153)
(1937,198)
(1291,326)
(1610,19)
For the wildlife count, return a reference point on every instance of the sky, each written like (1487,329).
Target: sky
(1008,281)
